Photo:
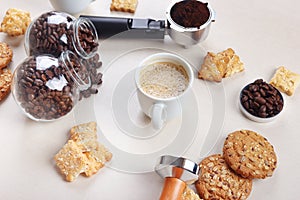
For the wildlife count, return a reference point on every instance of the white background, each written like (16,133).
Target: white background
(265,34)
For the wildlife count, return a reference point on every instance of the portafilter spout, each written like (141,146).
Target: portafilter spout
(177,172)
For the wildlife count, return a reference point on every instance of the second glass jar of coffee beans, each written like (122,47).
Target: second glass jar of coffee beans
(47,88)
(54,32)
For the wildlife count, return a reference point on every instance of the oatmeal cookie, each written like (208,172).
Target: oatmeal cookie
(5,82)
(249,154)
(6,55)
(218,181)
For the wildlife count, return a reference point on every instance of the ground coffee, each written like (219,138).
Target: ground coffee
(190,13)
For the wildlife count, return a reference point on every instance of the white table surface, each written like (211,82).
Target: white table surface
(265,34)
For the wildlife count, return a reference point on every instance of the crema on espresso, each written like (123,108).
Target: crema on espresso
(164,79)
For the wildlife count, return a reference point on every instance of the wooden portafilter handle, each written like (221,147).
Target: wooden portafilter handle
(177,172)
(172,189)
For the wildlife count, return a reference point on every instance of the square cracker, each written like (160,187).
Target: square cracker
(96,159)
(70,160)
(124,5)
(285,80)
(85,135)
(85,128)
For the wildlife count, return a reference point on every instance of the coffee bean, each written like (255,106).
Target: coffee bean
(263,109)
(256,94)
(263,115)
(38,82)
(246,105)
(244,98)
(258,81)
(262,92)
(43,77)
(92,64)
(27,78)
(261,99)
(255,105)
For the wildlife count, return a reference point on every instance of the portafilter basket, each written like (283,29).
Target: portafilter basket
(188,36)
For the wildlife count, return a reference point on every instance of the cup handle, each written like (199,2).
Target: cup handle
(158,115)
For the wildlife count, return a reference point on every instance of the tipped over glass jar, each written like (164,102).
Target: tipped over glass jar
(54,32)
(47,88)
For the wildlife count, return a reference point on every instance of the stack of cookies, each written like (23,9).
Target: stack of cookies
(14,23)
(246,156)
(82,154)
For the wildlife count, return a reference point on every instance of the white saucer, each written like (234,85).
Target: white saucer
(127,132)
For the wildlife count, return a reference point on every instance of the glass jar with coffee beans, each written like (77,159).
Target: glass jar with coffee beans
(47,88)
(54,32)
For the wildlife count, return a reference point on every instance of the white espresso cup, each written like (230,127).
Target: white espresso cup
(70,6)
(162,79)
